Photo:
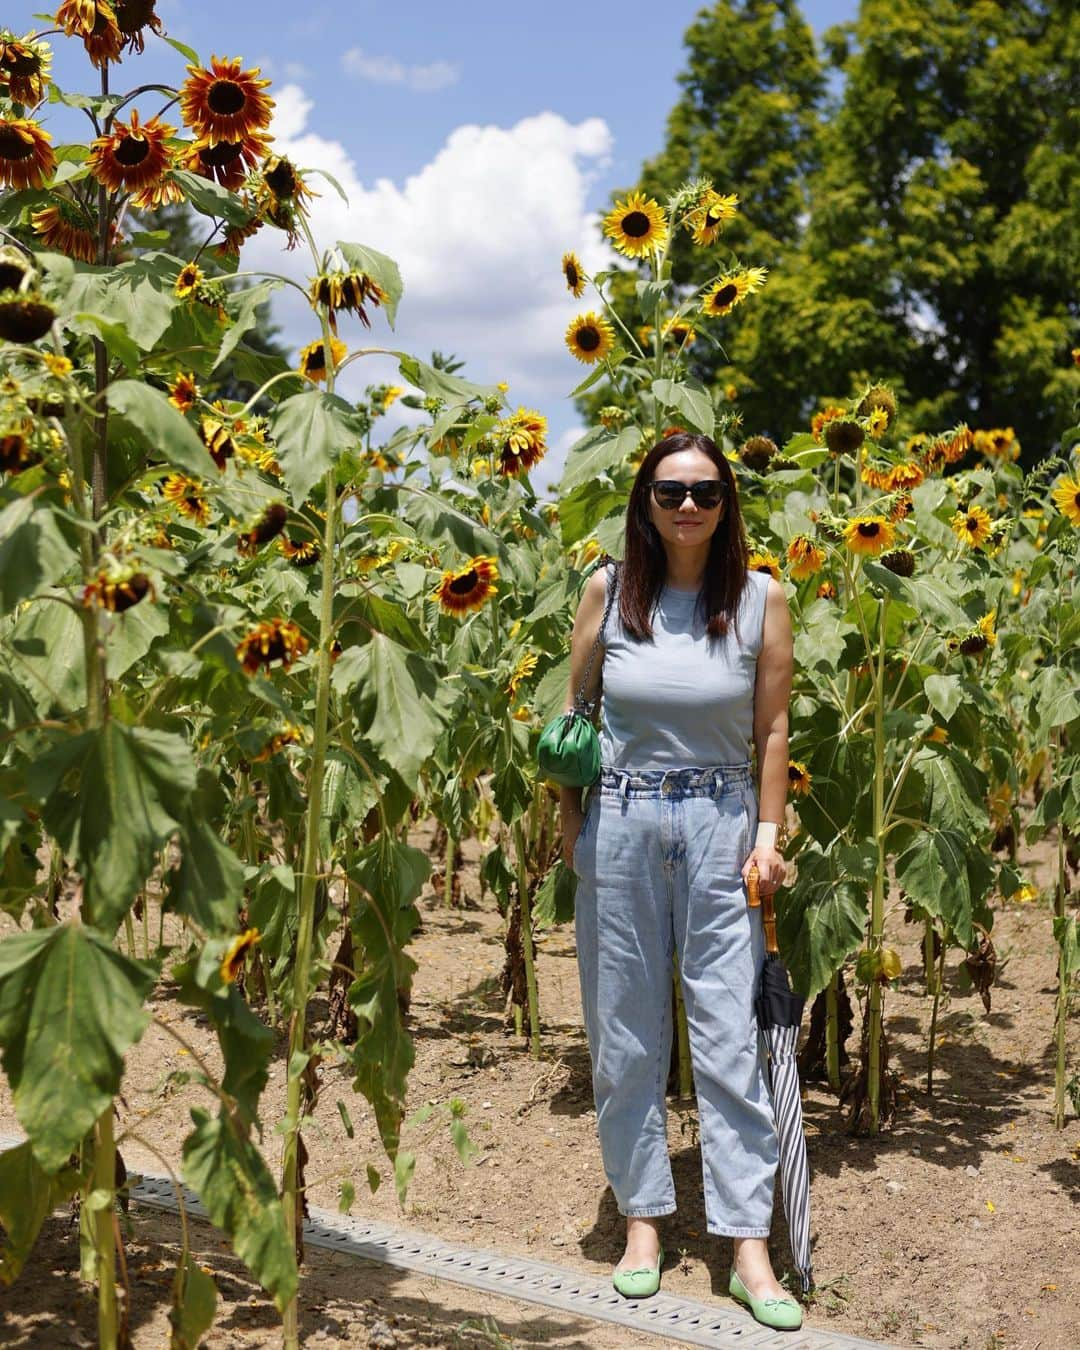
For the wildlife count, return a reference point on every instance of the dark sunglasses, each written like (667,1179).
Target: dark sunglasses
(670,494)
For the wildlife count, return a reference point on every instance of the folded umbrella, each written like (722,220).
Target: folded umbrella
(779,1013)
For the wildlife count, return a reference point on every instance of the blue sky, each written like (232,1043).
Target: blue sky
(476,143)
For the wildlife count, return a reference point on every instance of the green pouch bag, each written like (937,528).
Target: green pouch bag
(568,752)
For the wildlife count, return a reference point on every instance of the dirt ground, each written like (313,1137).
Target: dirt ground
(957,1227)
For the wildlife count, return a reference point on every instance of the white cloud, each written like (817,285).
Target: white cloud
(478,234)
(427,79)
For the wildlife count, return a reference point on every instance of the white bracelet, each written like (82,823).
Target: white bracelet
(766,834)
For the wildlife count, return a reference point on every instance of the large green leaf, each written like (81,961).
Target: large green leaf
(244,309)
(28,1196)
(820,922)
(596,451)
(1055,698)
(227,1171)
(159,425)
(210,199)
(70,1008)
(396,704)
(1066,936)
(33,551)
(136,297)
(933,870)
(194,1305)
(380,268)
(956,789)
(690,397)
(452,389)
(312,431)
(112,797)
(44,652)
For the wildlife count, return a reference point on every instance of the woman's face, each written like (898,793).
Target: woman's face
(689,526)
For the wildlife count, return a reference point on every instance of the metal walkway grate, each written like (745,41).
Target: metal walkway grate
(676,1319)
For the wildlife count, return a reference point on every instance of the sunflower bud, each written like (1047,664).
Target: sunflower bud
(757,452)
(24,316)
(878,396)
(843,436)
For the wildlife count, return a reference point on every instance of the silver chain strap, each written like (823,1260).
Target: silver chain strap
(585,707)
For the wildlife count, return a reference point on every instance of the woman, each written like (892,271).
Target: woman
(663,849)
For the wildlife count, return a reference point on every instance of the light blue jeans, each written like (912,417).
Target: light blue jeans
(658,863)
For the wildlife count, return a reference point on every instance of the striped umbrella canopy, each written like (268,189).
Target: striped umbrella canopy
(779,1012)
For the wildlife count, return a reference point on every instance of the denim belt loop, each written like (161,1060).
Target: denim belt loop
(624,787)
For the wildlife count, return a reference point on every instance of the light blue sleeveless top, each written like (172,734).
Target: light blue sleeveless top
(684,700)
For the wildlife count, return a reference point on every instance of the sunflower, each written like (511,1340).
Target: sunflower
(731,290)
(133,156)
(132,16)
(710,215)
(764,562)
(283,182)
(973,526)
(289,735)
(879,398)
(679,333)
(902,506)
(350,291)
(904,476)
(24,68)
(233,961)
(187,496)
(224,162)
(612,418)
(1001,443)
(804,557)
(27,160)
(268,526)
(843,435)
(302,554)
(274,640)
(955,444)
(757,451)
(1066,497)
(184,392)
(798,776)
(524,668)
(188,282)
(522,435)
(66,228)
(869,534)
(57,366)
(313,358)
(235,235)
(978,638)
(821,420)
(225,103)
(590,338)
(390,395)
(636,225)
(826,591)
(24,316)
(117,593)
(218,438)
(900,561)
(575,277)
(877,423)
(95,22)
(15,450)
(467,588)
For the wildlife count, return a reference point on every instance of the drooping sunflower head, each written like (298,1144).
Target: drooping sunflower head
(821,420)
(679,333)
(972,525)
(900,561)
(219,438)
(24,68)
(313,358)
(25,316)
(232,963)
(133,157)
(636,225)
(762,561)
(468,588)
(590,338)
(804,557)
(843,435)
(268,526)
(612,418)
(799,777)
(756,452)
(301,553)
(225,162)
(66,227)
(117,592)
(710,215)
(132,16)
(283,181)
(349,291)
(1066,497)
(95,22)
(521,439)
(225,102)
(27,159)
(526,665)
(16,447)
(575,277)
(878,397)
(273,640)
(187,495)
(869,535)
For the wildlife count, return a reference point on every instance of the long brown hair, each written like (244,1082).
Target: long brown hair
(644,569)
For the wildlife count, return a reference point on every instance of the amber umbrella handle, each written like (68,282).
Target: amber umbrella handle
(768,916)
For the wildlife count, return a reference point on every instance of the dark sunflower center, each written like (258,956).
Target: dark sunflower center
(725,295)
(1076,500)
(973,523)
(317,358)
(462,585)
(10,276)
(188,277)
(636,225)
(23,62)
(217,156)
(226,98)
(869,529)
(281,180)
(12,146)
(131,151)
(713,216)
(588,339)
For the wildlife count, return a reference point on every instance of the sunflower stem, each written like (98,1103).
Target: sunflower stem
(877,911)
(104,1187)
(832,1031)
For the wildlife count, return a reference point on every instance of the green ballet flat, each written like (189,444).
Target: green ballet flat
(640,1282)
(782,1313)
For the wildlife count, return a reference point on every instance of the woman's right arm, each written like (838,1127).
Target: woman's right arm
(590,612)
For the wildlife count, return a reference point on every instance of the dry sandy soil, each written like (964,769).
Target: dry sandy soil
(957,1227)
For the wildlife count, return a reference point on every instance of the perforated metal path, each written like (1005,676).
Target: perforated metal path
(674,1319)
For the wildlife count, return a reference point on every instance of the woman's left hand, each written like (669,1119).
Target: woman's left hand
(771,868)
